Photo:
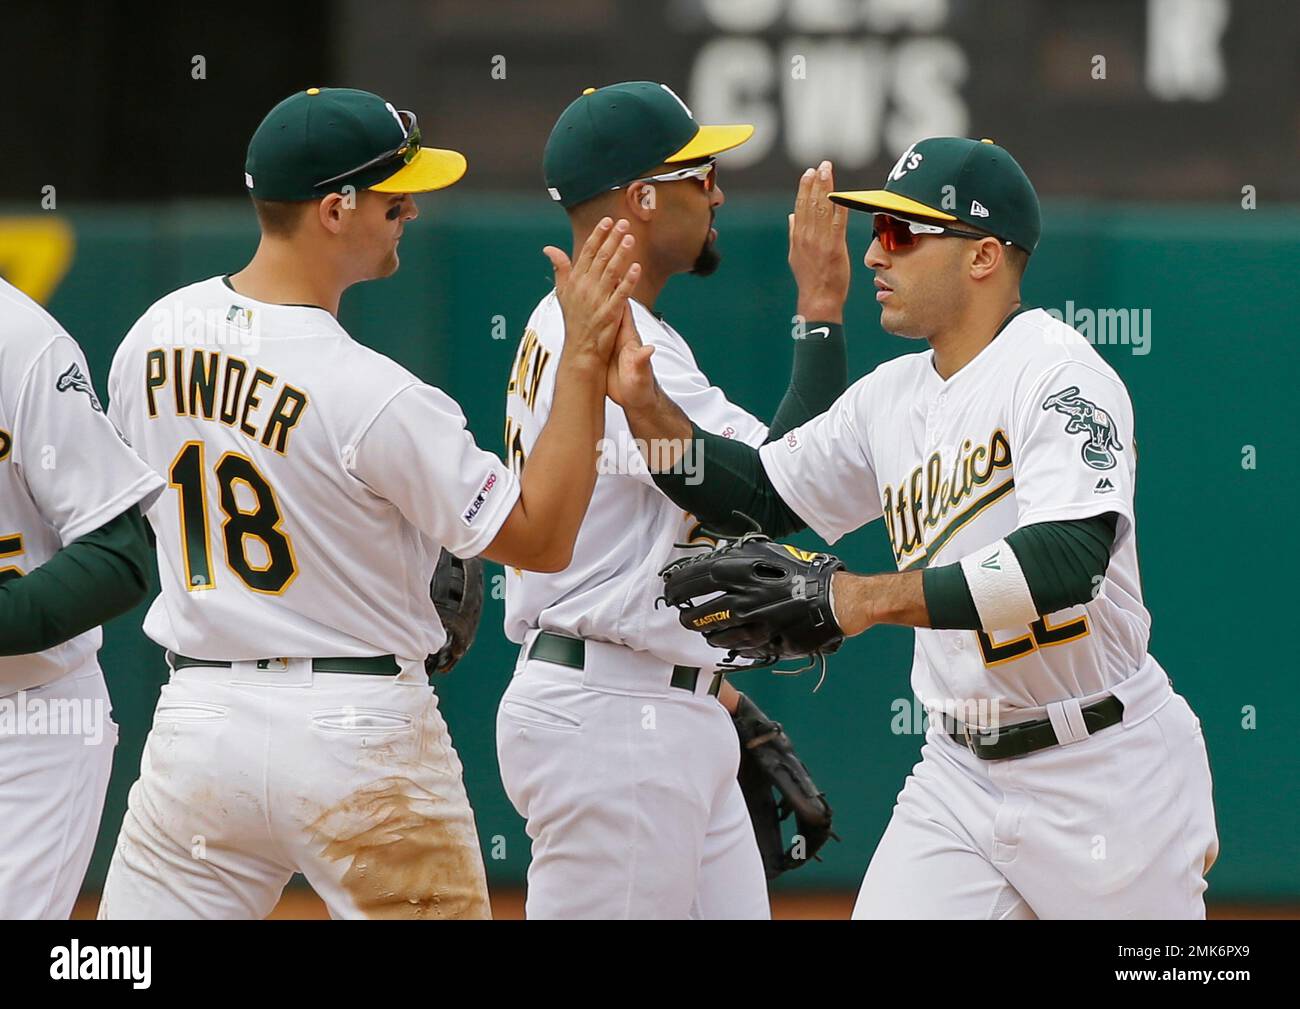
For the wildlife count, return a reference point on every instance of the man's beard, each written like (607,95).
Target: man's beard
(707,261)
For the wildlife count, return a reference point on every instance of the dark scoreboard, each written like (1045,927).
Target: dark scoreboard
(1141,99)
(1150,99)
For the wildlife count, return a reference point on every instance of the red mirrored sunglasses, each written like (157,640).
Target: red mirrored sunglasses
(896,233)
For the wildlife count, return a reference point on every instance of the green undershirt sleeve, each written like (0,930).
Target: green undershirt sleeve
(729,475)
(818,377)
(1061,562)
(91,580)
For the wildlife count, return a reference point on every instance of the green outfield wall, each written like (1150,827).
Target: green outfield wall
(1212,376)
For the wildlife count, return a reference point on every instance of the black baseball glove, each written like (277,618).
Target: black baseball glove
(457,591)
(767,762)
(774,602)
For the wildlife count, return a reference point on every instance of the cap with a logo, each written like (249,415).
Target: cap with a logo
(613,135)
(956,179)
(317,141)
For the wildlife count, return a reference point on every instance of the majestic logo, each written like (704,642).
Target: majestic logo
(75,380)
(1104,486)
(1087,418)
(978,209)
(908,160)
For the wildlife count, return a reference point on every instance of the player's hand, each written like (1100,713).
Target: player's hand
(631,378)
(593,291)
(819,252)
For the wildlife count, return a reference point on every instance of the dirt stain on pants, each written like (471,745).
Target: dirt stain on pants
(406,860)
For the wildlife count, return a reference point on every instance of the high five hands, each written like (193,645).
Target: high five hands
(819,252)
(593,290)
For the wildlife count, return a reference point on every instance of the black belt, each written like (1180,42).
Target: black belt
(1026,737)
(572,652)
(373,665)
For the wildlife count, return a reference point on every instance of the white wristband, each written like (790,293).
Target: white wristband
(998,587)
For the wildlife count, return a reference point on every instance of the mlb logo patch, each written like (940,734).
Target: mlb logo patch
(240,317)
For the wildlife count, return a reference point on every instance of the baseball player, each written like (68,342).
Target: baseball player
(1061,776)
(311,484)
(610,741)
(73,554)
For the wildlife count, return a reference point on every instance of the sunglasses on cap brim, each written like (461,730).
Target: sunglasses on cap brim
(403,154)
(898,233)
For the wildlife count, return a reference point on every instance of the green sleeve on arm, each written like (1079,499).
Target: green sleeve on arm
(728,476)
(1060,561)
(1063,560)
(948,599)
(818,377)
(91,580)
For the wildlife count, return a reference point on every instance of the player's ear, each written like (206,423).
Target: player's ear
(332,211)
(639,201)
(985,255)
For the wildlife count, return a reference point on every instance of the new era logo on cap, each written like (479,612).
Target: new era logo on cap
(978,209)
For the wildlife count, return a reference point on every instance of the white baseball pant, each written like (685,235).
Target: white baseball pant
(56,756)
(629,788)
(250,775)
(1115,825)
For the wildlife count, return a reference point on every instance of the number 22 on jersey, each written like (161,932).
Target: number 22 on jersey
(276,568)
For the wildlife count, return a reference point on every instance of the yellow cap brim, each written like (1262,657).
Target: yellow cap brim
(430,169)
(712,140)
(883,201)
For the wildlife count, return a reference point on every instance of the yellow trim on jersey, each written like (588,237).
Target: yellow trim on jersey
(203,508)
(7,549)
(1065,626)
(1036,641)
(275,527)
(953,527)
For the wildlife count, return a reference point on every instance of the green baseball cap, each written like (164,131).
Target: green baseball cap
(611,136)
(956,179)
(317,141)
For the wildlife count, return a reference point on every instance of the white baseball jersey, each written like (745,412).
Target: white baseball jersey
(609,591)
(1037,428)
(64,470)
(311,481)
